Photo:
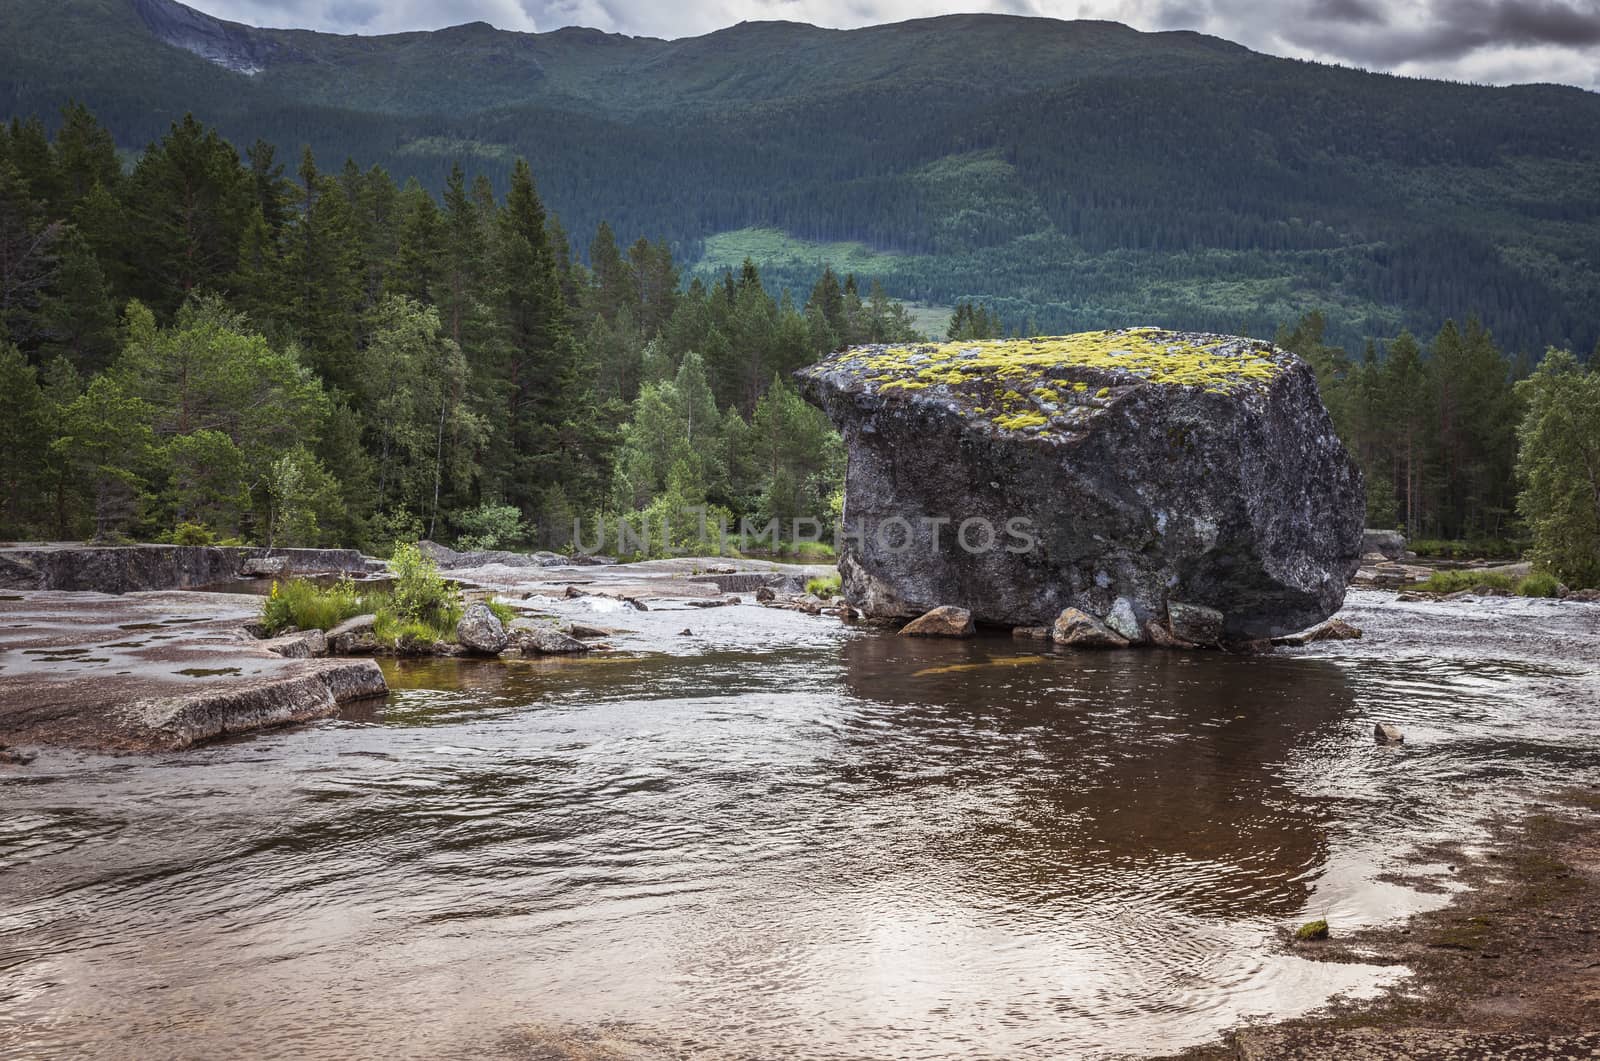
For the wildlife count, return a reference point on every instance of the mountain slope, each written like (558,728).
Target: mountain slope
(1080,174)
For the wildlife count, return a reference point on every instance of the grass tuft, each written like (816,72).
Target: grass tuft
(1317,929)
(823,587)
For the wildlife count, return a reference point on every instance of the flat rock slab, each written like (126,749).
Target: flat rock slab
(154,671)
(134,568)
(1409,1044)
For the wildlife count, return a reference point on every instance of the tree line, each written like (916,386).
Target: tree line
(1463,443)
(205,346)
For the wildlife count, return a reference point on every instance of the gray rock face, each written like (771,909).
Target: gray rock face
(1113,472)
(266,567)
(480,631)
(135,568)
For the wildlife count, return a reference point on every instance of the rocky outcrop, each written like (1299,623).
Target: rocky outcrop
(945,621)
(242,49)
(1119,473)
(183,721)
(140,568)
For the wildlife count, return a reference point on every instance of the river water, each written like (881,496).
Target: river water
(797,841)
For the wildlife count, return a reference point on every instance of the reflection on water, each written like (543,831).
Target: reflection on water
(868,847)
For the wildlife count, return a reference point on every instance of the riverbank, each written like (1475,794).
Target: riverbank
(167,669)
(1508,969)
(779,834)
(161,671)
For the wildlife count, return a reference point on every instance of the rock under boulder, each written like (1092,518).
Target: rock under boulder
(946,621)
(480,631)
(1113,472)
(1076,628)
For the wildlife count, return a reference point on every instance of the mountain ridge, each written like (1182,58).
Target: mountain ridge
(1078,174)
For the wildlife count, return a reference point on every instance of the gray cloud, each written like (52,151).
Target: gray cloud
(1345,11)
(1500,41)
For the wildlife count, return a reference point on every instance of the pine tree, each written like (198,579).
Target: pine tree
(190,201)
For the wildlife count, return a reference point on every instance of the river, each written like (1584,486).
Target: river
(799,839)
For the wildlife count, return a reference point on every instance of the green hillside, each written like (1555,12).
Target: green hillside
(1072,174)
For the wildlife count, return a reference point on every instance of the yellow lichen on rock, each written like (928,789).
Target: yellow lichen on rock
(1027,384)
(1172,358)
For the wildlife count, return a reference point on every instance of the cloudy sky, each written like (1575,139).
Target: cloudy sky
(1500,41)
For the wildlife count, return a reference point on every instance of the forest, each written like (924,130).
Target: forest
(209,346)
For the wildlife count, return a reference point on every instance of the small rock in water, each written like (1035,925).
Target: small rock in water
(943,621)
(686,632)
(1031,633)
(480,632)
(1158,635)
(1332,630)
(765,594)
(1384,733)
(573,591)
(534,638)
(1195,623)
(1079,629)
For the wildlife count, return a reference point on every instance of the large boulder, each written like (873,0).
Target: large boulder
(1112,472)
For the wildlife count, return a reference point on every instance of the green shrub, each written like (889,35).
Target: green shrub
(385,530)
(490,526)
(192,534)
(420,593)
(304,604)
(1456,581)
(391,630)
(823,587)
(1458,549)
(1539,584)
(502,611)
